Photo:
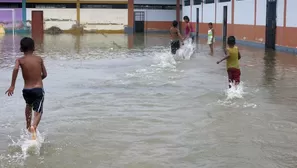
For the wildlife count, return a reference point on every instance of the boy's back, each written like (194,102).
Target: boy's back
(174,33)
(233,60)
(34,72)
(32,68)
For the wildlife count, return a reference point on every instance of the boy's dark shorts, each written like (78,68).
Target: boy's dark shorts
(34,97)
(234,75)
(175,45)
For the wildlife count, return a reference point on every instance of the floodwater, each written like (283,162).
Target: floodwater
(114,101)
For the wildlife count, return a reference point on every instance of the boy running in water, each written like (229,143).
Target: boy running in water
(34,72)
(175,37)
(189,29)
(210,37)
(232,56)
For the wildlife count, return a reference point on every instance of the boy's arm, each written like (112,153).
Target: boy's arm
(213,34)
(239,55)
(14,77)
(226,57)
(15,73)
(180,36)
(43,70)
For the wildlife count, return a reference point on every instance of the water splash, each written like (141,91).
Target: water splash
(235,91)
(186,50)
(165,60)
(22,148)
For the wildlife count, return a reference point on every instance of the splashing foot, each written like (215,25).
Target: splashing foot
(33,131)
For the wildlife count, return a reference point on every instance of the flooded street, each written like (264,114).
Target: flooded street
(114,101)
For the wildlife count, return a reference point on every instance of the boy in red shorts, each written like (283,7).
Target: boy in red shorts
(232,56)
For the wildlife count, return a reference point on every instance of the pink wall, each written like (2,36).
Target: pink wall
(6,18)
(10,0)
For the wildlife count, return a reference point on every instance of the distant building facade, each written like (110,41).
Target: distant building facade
(269,23)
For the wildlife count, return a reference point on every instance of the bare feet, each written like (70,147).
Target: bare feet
(29,129)
(33,131)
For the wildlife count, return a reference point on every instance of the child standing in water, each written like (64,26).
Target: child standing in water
(34,72)
(232,56)
(189,31)
(175,37)
(210,39)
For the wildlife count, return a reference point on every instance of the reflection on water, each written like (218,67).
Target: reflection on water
(123,101)
(269,68)
(139,40)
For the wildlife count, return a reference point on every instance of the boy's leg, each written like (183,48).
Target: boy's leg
(28,113)
(37,118)
(28,110)
(173,51)
(175,45)
(237,74)
(33,128)
(193,37)
(229,71)
(211,48)
(38,110)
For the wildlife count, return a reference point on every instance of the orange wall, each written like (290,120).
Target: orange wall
(157,25)
(284,36)
(287,36)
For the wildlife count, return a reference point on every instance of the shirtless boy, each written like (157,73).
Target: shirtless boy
(175,37)
(34,72)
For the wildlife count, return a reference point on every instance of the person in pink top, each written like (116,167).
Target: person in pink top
(189,31)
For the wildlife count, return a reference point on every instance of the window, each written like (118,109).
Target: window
(160,7)
(187,2)
(50,5)
(105,6)
(10,5)
(209,1)
(197,2)
(224,0)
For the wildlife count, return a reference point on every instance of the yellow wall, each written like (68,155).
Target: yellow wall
(105,1)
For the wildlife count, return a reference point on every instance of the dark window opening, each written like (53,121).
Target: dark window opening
(224,0)
(104,6)
(50,5)
(160,7)
(187,2)
(209,1)
(197,2)
(10,5)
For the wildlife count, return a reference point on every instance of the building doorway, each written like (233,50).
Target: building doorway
(139,21)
